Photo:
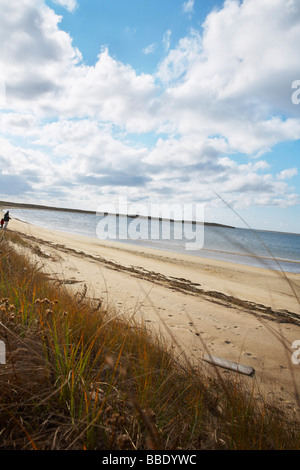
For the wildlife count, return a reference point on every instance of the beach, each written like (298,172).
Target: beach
(241,313)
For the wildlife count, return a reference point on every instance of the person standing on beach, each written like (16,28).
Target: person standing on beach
(6,219)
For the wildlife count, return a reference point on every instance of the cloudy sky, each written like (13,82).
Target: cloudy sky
(160,101)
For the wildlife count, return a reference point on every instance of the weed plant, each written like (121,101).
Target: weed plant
(81,376)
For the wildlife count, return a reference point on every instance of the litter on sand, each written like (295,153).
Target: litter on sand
(240,368)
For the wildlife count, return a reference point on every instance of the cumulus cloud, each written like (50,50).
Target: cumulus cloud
(288,173)
(36,56)
(112,92)
(221,91)
(234,79)
(44,72)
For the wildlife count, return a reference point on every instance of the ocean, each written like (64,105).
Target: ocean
(265,249)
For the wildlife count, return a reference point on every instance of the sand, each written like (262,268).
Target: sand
(240,313)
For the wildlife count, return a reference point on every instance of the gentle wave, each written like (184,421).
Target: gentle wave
(271,250)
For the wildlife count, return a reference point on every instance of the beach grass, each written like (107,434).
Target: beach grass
(80,375)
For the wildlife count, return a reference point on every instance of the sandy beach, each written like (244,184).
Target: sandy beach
(241,313)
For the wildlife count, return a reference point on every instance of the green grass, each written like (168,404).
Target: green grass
(79,376)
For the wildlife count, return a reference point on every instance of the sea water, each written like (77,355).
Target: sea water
(265,249)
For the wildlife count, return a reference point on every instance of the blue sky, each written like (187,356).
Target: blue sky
(168,101)
(129,28)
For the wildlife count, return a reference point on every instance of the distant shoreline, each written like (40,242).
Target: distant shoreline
(19,205)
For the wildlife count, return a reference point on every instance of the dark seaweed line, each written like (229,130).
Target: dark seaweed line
(182,285)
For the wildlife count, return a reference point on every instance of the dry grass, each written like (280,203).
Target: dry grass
(80,377)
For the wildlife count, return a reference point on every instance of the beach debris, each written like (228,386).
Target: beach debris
(226,364)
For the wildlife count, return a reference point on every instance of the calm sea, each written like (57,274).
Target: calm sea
(239,245)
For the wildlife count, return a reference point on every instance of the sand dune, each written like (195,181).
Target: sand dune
(241,313)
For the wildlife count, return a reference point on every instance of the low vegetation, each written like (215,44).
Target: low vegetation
(78,376)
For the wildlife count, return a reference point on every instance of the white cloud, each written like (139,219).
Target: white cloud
(288,173)
(223,91)
(43,72)
(188,6)
(178,61)
(112,92)
(149,49)
(33,167)
(36,57)
(234,80)
(167,40)
(70,5)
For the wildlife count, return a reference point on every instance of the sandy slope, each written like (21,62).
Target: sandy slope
(241,313)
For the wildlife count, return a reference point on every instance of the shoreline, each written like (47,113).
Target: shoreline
(269,262)
(19,205)
(242,313)
(161,254)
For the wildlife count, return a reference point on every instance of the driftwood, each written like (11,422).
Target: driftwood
(234,366)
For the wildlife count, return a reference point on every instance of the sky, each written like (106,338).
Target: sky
(178,102)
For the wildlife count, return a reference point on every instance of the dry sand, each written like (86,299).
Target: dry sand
(241,313)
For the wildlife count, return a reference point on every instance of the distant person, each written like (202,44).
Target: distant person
(2,223)
(6,219)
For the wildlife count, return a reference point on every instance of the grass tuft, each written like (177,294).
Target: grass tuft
(78,376)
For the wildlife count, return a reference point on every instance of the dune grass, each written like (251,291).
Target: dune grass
(79,376)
